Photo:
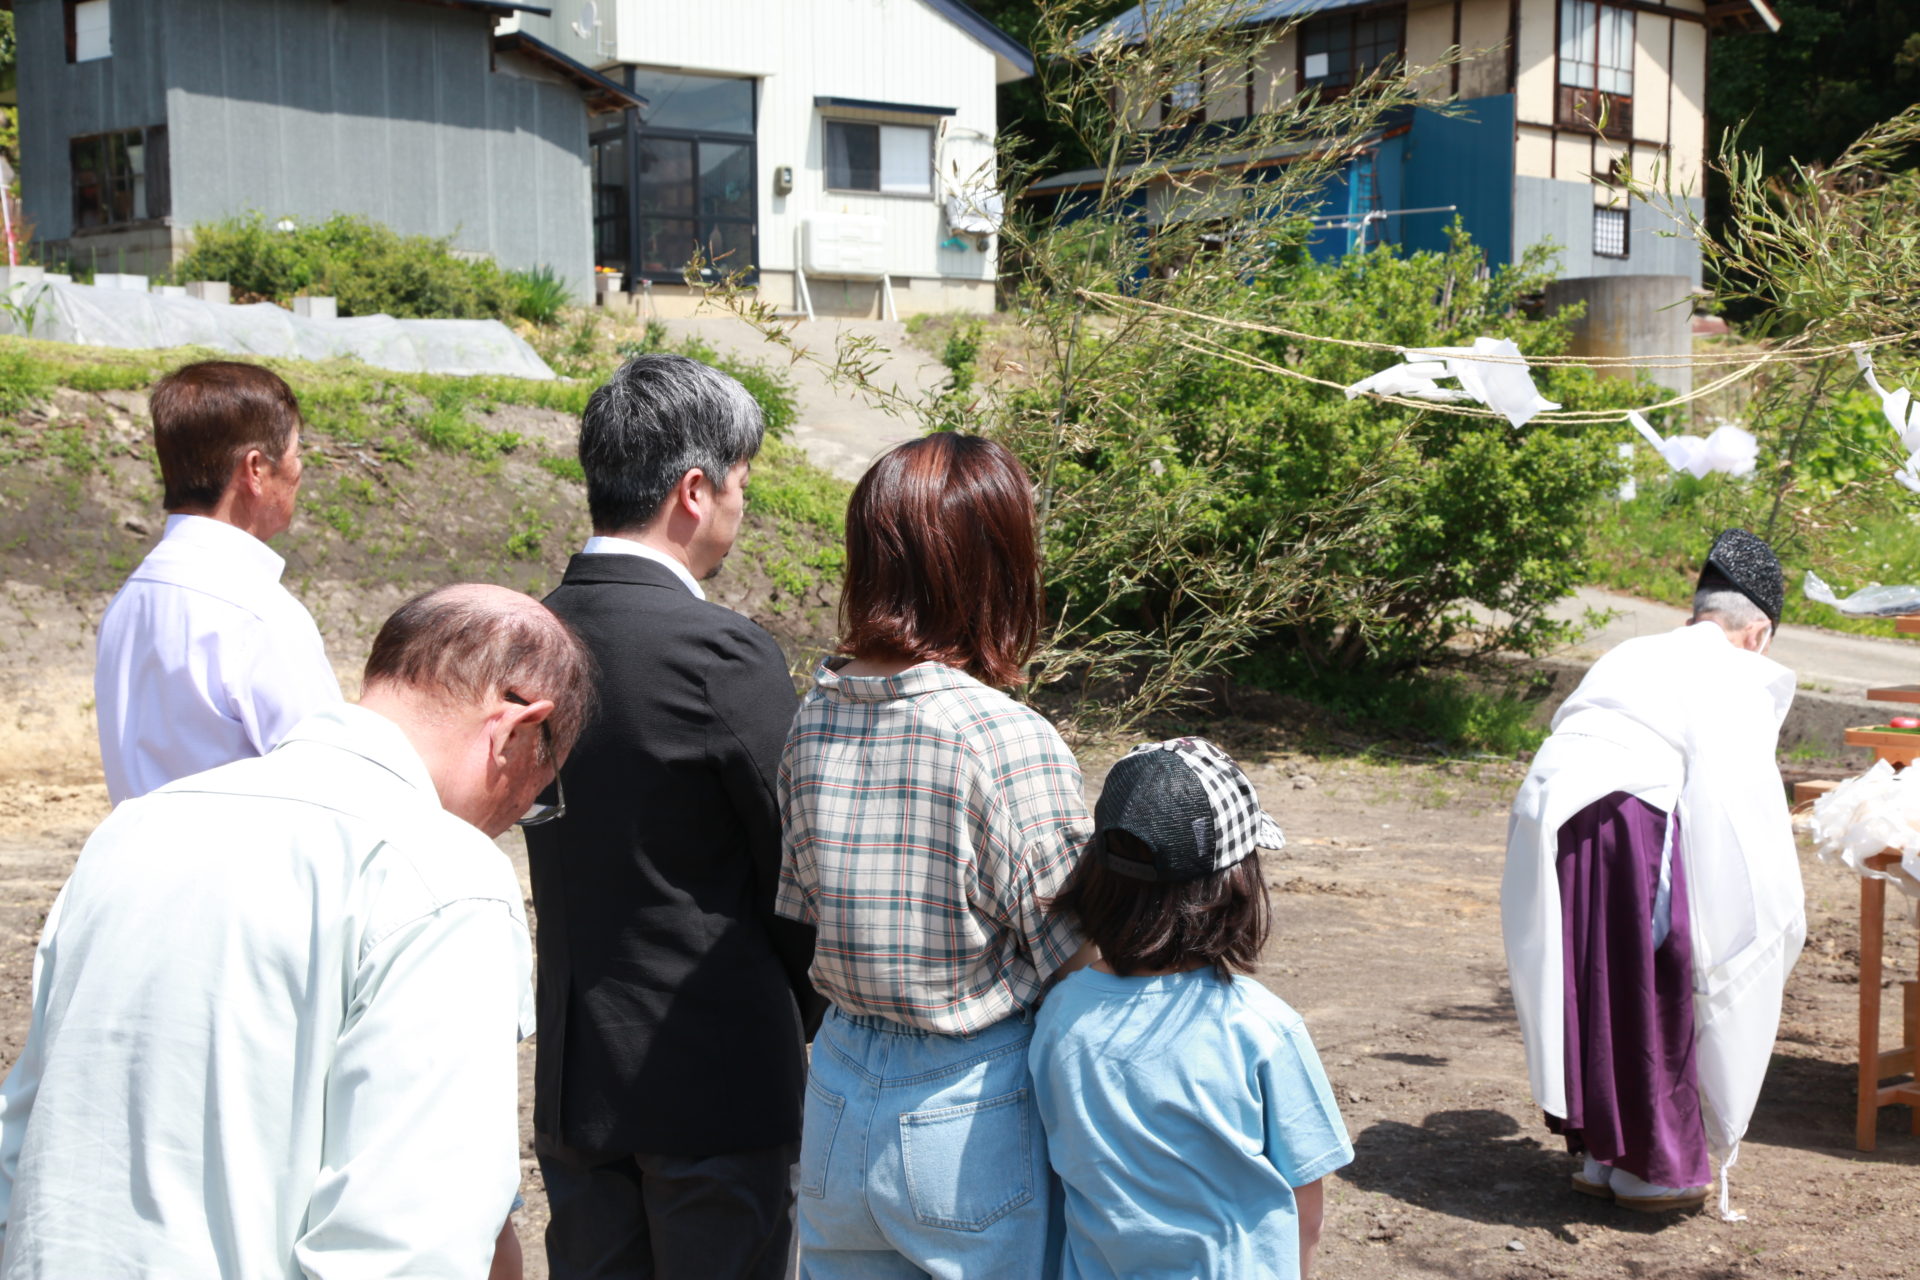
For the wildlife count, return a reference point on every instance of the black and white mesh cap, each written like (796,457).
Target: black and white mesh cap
(1187,801)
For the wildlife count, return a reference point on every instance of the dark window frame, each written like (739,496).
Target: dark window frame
(153,179)
(826,147)
(1609,114)
(1626,231)
(635,132)
(70,16)
(1354,71)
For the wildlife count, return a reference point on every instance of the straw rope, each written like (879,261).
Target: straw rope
(1740,365)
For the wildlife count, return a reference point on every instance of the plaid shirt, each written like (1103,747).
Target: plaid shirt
(925,818)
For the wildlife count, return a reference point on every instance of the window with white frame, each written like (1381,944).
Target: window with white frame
(1596,66)
(893,159)
(1609,232)
(89,29)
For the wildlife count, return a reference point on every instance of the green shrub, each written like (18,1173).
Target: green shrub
(23,379)
(541,294)
(371,269)
(446,426)
(1462,516)
(1448,712)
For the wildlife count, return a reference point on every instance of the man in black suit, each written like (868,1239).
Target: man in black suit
(672,1000)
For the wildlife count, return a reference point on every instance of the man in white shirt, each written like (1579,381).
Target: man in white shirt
(203,656)
(275,1007)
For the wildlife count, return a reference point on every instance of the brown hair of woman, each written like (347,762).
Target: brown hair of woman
(942,563)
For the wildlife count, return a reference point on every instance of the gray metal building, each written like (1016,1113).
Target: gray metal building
(140,118)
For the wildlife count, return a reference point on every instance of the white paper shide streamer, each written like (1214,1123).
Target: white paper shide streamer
(1730,450)
(1503,384)
(1901,413)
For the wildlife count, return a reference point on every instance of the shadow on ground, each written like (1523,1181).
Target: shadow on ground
(1478,1166)
(1808,1104)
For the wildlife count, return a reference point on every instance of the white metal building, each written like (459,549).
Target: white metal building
(852,139)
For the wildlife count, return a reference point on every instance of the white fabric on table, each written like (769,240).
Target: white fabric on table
(203,658)
(1684,715)
(273,1025)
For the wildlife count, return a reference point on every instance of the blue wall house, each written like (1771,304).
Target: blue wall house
(1555,98)
(140,118)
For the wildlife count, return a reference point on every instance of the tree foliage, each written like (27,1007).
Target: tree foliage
(1194,511)
(1473,528)
(1822,255)
(1834,70)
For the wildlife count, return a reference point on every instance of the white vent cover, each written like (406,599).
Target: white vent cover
(844,244)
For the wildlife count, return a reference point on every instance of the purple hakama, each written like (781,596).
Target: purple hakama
(1633,1097)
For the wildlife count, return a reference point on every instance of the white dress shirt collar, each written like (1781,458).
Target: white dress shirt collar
(372,737)
(225,540)
(603,545)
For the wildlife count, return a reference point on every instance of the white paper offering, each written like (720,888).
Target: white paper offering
(1505,386)
(1730,450)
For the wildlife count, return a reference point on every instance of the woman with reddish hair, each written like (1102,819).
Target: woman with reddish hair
(927,816)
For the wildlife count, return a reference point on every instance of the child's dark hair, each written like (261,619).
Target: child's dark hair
(1220,919)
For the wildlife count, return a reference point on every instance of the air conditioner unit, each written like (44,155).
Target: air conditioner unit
(844,244)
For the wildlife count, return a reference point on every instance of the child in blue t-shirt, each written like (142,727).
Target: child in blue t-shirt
(1186,1111)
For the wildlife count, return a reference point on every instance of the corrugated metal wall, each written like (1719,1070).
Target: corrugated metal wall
(304,108)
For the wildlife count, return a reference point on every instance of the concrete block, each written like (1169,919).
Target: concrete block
(316,308)
(211,291)
(58,277)
(614,298)
(11,276)
(170,290)
(125,281)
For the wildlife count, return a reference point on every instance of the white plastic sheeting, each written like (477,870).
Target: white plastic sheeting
(123,318)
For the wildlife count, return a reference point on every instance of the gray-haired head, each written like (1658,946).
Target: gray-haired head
(657,418)
(1733,610)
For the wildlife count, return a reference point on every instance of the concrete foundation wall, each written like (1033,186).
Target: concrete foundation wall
(846,299)
(1632,316)
(147,250)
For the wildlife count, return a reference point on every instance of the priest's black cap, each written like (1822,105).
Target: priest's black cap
(1744,562)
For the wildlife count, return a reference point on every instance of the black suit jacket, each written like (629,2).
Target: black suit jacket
(671,998)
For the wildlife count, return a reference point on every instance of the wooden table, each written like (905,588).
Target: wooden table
(1877,1064)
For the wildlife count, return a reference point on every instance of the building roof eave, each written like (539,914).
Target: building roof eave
(602,94)
(1085,179)
(1739,15)
(497,8)
(1012,56)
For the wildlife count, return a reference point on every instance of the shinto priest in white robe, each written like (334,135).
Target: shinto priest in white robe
(1688,722)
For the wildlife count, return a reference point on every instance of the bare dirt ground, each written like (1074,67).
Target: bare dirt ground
(1388,943)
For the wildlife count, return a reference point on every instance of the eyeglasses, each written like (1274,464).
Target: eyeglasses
(541,812)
